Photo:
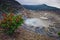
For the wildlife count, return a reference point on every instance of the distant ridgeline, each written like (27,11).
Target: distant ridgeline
(41,7)
(7,6)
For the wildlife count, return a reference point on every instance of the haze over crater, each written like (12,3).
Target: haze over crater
(54,3)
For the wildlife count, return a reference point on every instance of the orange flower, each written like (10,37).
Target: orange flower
(12,14)
(4,14)
(17,19)
(5,18)
(10,19)
(3,21)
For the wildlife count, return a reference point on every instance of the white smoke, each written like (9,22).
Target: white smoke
(36,22)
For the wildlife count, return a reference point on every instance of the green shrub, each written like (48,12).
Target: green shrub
(10,23)
(59,33)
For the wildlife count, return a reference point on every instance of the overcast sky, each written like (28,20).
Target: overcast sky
(54,3)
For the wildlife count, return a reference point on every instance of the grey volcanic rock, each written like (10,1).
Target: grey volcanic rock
(10,5)
(7,6)
(53,29)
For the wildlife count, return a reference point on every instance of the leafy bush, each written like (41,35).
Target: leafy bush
(59,33)
(10,23)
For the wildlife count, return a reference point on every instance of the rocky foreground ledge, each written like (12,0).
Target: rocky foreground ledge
(25,35)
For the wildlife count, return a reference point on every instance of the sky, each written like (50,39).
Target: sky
(54,3)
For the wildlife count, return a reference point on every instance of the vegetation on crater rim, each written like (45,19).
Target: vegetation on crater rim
(10,22)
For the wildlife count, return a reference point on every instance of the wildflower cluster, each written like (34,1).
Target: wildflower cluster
(10,22)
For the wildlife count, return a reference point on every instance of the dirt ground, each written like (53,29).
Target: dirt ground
(25,35)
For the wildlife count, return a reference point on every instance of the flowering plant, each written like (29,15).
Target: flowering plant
(10,22)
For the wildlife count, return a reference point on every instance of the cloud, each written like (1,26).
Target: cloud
(54,3)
